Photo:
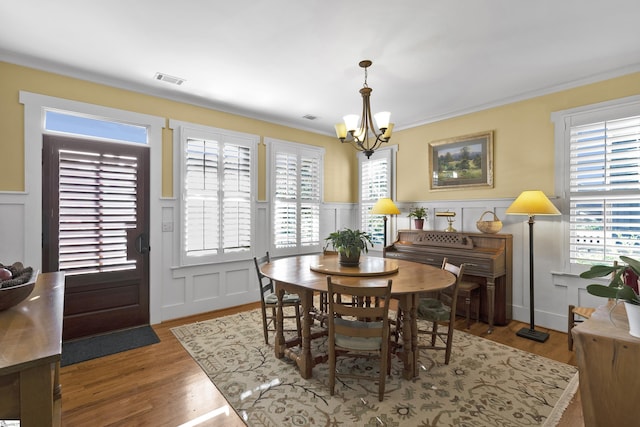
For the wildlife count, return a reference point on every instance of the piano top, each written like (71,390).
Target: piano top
(485,251)
(457,240)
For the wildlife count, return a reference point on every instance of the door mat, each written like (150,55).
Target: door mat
(83,349)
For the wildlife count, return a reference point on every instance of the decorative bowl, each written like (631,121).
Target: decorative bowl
(16,294)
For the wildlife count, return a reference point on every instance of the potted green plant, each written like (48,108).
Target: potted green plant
(349,244)
(617,289)
(418,214)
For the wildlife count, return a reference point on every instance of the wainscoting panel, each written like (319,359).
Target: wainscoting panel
(12,226)
(206,287)
(184,291)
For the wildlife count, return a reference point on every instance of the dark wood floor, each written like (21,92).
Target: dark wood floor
(161,385)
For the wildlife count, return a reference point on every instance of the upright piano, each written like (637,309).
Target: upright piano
(489,255)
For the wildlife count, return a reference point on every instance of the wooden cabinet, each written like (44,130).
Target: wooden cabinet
(30,351)
(608,359)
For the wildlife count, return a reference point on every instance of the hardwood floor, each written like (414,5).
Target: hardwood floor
(161,385)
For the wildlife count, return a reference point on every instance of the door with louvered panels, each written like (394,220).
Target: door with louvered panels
(95,229)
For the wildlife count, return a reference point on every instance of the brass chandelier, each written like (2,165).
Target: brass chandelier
(364,136)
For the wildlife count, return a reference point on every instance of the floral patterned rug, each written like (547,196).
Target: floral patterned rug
(485,383)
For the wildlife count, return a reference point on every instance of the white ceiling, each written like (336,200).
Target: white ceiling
(280,60)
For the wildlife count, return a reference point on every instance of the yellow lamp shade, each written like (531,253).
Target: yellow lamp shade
(341,131)
(385,206)
(387,133)
(532,202)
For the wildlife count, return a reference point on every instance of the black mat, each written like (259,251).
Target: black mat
(103,345)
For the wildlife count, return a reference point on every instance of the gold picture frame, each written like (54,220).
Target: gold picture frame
(462,162)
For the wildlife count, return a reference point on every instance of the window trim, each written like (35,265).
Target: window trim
(34,107)
(563,120)
(273,145)
(392,152)
(182,131)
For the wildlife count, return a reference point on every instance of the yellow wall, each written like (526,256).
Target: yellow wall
(523,142)
(523,135)
(340,162)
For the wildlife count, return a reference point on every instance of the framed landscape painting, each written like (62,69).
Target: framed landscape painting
(464,161)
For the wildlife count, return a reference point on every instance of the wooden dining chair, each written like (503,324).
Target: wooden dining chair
(324,301)
(439,311)
(470,291)
(351,336)
(269,302)
(577,315)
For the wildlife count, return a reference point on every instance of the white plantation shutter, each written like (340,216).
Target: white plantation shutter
(285,218)
(375,183)
(605,190)
(309,200)
(202,217)
(296,187)
(218,193)
(97,207)
(236,200)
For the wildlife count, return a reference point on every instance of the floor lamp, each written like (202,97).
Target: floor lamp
(385,206)
(532,203)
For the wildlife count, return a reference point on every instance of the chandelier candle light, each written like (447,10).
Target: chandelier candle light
(360,135)
(532,203)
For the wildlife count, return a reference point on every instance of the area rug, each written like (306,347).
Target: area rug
(563,403)
(485,383)
(103,345)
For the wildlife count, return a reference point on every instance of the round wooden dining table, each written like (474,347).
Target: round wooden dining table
(307,274)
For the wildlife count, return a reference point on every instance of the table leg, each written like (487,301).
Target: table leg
(303,357)
(491,301)
(409,336)
(305,361)
(414,335)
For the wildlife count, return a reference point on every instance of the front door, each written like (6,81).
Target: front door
(95,229)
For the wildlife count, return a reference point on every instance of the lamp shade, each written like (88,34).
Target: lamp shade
(532,202)
(385,206)
(351,122)
(382,119)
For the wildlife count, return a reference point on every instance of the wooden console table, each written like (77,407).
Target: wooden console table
(30,350)
(607,359)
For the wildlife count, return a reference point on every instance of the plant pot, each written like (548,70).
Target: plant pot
(419,223)
(633,315)
(352,260)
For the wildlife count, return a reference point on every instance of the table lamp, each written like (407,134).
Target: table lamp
(385,206)
(532,203)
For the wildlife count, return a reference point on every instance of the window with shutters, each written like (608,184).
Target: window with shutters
(97,196)
(218,193)
(376,181)
(295,172)
(602,181)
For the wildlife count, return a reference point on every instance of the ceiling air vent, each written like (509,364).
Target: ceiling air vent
(309,117)
(169,79)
